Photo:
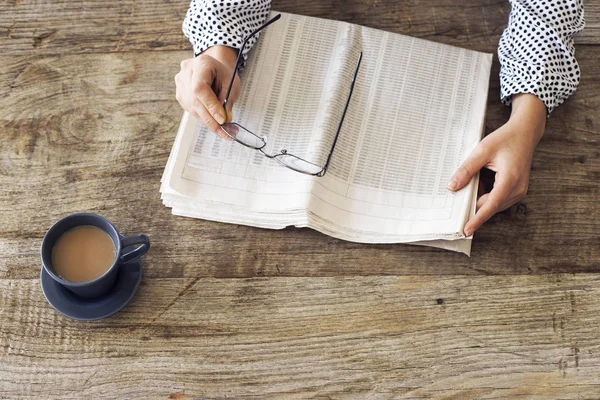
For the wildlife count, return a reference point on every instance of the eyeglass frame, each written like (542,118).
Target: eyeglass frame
(284,152)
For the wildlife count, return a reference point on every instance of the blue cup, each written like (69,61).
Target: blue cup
(124,253)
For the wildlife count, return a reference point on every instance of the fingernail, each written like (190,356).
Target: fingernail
(219,117)
(452,185)
(468,232)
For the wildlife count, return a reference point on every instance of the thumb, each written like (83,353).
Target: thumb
(229,106)
(476,160)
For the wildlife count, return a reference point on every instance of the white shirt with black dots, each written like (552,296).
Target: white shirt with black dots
(536,50)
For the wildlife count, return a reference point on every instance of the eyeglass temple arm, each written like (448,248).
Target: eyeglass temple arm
(339,128)
(241,51)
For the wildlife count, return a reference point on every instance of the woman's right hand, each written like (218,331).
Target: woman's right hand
(202,84)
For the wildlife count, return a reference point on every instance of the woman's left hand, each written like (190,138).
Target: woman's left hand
(508,151)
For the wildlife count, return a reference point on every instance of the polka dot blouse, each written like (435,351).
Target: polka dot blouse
(536,50)
(213,22)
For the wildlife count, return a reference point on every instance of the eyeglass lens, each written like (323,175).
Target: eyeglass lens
(243,136)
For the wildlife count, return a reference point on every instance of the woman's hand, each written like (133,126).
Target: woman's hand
(202,85)
(508,151)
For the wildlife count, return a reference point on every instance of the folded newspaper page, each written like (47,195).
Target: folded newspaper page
(416,113)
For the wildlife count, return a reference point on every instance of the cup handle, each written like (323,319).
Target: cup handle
(138,251)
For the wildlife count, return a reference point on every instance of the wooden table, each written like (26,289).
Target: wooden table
(88,117)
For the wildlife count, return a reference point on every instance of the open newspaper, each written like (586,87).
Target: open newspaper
(416,112)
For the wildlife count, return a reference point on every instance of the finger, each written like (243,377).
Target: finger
(202,88)
(183,85)
(179,89)
(183,78)
(208,120)
(196,114)
(481,201)
(490,205)
(476,160)
(233,96)
(509,203)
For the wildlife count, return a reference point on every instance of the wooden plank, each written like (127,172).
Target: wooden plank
(591,32)
(462,23)
(360,337)
(93,133)
(59,27)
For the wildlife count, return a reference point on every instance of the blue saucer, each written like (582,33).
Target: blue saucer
(72,306)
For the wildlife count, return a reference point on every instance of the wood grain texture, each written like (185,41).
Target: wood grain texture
(93,133)
(48,28)
(462,337)
(87,120)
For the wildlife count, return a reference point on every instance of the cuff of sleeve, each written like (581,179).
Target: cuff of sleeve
(216,38)
(551,87)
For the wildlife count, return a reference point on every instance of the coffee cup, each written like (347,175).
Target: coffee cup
(124,253)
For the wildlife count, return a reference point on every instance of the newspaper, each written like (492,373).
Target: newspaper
(416,113)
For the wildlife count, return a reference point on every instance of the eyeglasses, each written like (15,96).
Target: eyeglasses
(245,137)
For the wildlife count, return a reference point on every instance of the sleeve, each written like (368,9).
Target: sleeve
(537,53)
(212,22)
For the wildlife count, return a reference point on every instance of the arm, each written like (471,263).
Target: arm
(538,72)
(537,53)
(216,30)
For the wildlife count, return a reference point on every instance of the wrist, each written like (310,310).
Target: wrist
(225,54)
(529,112)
